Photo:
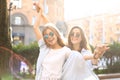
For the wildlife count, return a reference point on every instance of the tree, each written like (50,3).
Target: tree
(5,40)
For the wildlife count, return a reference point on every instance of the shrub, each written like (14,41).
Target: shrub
(30,52)
(112,59)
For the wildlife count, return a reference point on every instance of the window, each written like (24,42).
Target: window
(35,0)
(33,20)
(17,3)
(17,20)
(18,39)
(45,7)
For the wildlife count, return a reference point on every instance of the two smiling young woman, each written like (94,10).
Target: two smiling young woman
(57,61)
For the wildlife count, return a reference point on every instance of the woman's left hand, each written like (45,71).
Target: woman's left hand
(100,50)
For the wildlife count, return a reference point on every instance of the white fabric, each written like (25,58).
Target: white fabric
(53,63)
(44,50)
(89,62)
(75,68)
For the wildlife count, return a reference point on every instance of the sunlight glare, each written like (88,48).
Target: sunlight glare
(75,9)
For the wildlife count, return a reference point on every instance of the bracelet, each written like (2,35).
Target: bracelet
(95,62)
(97,55)
(94,56)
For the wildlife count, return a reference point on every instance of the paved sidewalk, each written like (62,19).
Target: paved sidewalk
(112,79)
(27,79)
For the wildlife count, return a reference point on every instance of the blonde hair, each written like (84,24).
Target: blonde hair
(53,28)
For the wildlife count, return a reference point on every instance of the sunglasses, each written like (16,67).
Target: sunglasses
(75,35)
(51,34)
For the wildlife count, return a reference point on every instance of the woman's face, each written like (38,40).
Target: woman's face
(50,37)
(75,36)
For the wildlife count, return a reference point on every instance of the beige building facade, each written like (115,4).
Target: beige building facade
(23,16)
(104,28)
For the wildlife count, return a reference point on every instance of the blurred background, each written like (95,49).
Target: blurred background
(100,20)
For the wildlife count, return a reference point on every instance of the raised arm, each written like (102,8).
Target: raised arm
(41,20)
(39,6)
(37,25)
(45,18)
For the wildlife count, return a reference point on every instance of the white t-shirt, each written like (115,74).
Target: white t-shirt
(53,63)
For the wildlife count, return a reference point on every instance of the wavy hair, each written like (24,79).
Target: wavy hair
(83,43)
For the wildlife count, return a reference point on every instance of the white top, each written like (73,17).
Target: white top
(50,62)
(53,63)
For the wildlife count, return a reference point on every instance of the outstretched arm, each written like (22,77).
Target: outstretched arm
(98,52)
(91,57)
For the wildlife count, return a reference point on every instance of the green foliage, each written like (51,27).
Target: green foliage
(112,57)
(97,71)
(114,50)
(30,52)
(7,77)
(92,48)
(115,68)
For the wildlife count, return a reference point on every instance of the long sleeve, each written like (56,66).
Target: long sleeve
(43,52)
(85,52)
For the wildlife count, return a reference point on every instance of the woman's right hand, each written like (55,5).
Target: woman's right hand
(38,7)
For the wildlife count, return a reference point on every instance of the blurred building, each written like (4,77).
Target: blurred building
(23,18)
(104,28)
